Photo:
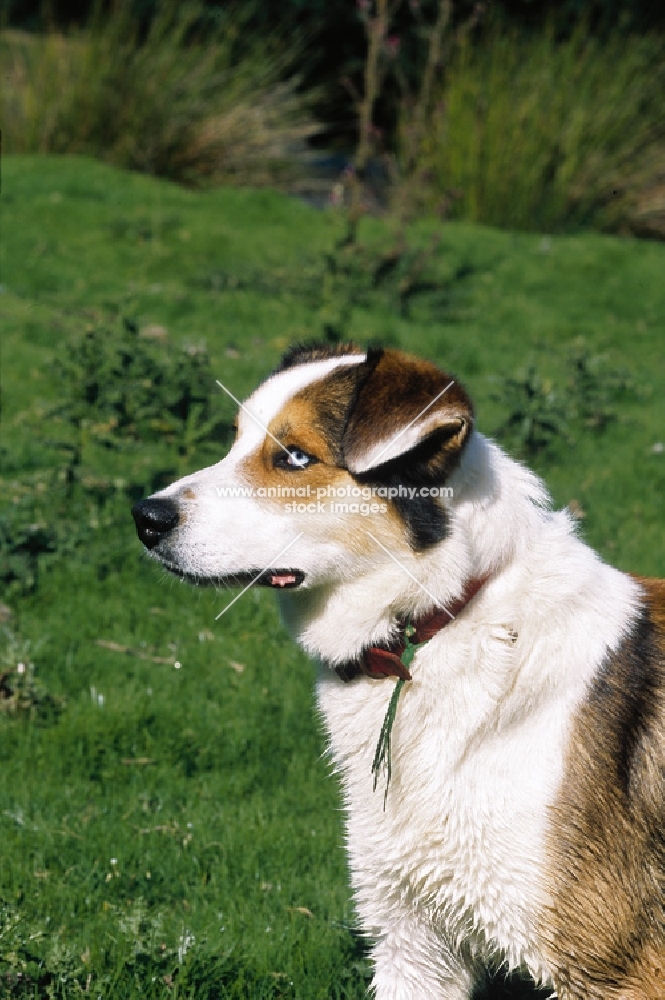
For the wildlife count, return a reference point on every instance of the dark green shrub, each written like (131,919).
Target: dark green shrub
(595,388)
(120,387)
(22,693)
(540,414)
(536,414)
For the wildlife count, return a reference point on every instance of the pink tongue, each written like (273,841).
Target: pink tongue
(282,581)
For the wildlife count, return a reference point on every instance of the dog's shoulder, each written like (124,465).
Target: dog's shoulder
(607,843)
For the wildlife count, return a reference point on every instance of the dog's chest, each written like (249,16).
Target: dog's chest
(461,836)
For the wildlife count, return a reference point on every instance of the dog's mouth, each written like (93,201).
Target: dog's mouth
(277,579)
(281,579)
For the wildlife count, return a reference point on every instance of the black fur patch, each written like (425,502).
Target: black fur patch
(427,523)
(625,695)
(424,517)
(302,354)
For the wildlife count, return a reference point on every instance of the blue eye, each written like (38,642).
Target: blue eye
(294,458)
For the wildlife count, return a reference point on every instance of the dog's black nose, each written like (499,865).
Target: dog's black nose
(154,518)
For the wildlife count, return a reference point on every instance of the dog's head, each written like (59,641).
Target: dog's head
(338,453)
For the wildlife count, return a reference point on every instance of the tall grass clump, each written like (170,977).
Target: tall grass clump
(174,100)
(534,132)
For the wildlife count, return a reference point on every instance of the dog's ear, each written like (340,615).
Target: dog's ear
(407,416)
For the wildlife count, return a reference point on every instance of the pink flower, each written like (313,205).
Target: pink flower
(392,44)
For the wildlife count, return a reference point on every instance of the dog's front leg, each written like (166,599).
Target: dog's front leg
(412,962)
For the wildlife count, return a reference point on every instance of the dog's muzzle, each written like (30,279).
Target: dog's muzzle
(154,518)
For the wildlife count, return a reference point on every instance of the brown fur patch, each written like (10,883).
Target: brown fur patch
(605,930)
(354,407)
(331,400)
(313,423)
(295,426)
(647,979)
(396,392)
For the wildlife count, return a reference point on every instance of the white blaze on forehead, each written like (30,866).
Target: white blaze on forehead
(266,402)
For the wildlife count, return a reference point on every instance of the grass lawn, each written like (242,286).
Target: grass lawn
(169,826)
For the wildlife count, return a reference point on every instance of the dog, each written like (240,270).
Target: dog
(508,808)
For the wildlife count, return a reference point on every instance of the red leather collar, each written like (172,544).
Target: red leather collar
(378,662)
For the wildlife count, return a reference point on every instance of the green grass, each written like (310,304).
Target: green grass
(535,132)
(254,892)
(189,97)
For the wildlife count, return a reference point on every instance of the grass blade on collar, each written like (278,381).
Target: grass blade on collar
(383,753)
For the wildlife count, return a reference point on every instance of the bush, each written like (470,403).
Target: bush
(118,389)
(121,387)
(22,695)
(540,414)
(535,133)
(175,100)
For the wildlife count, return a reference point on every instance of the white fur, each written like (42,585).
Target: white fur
(452,874)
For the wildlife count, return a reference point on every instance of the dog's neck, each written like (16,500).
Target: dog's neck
(379,662)
(336,621)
